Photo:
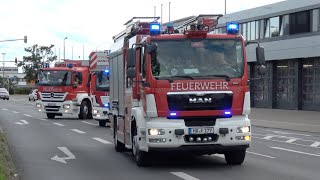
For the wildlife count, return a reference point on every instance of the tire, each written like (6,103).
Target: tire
(84,110)
(50,115)
(142,158)
(118,146)
(235,157)
(102,123)
(29,99)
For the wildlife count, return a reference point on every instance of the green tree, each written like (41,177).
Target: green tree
(39,55)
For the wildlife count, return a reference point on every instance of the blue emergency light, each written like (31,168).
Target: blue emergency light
(106,71)
(232,27)
(173,114)
(106,105)
(155,28)
(70,65)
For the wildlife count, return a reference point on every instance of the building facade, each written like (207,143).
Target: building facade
(12,74)
(290,33)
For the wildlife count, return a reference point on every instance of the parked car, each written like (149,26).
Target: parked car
(4,94)
(33,95)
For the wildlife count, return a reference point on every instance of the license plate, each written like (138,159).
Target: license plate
(201,130)
(51,104)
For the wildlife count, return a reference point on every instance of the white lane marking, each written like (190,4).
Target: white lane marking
(43,119)
(300,152)
(282,132)
(284,141)
(23,122)
(88,123)
(58,124)
(101,140)
(78,131)
(63,159)
(267,137)
(4,109)
(291,140)
(15,112)
(277,122)
(27,115)
(260,154)
(316,144)
(183,175)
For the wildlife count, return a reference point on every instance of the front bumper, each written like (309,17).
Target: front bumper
(174,141)
(66,107)
(4,96)
(100,113)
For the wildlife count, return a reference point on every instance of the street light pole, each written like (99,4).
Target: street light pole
(3,54)
(225,7)
(64,48)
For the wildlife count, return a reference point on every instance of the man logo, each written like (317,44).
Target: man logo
(200,100)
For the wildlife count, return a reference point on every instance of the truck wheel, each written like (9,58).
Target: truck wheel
(102,123)
(118,146)
(50,115)
(142,158)
(84,110)
(235,157)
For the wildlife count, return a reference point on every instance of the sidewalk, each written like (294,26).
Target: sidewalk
(286,119)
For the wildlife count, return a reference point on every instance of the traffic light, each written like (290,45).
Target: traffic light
(25,39)
(15,60)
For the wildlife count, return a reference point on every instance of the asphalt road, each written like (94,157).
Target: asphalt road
(68,148)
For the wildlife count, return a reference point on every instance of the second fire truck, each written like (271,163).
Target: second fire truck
(187,92)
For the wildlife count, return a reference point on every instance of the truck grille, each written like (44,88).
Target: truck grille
(208,100)
(54,96)
(52,108)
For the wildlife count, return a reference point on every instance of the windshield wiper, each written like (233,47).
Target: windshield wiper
(184,76)
(219,75)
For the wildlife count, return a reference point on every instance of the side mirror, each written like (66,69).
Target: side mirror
(131,73)
(74,85)
(131,57)
(262,69)
(151,48)
(260,55)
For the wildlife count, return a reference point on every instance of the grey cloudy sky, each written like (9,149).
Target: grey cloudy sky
(91,24)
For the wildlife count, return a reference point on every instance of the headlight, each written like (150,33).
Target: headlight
(154,132)
(38,105)
(66,106)
(95,111)
(244,129)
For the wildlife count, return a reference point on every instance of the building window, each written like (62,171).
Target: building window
(252,30)
(272,27)
(257,29)
(300,22)
(267,28)
(315,20)
(284,27)
(244,30)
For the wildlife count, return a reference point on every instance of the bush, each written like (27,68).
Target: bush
(24,90)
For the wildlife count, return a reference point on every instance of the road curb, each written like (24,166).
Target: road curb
(9,167)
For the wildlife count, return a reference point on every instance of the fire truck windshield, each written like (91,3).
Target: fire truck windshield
(102,82)
(54,78)
(198,58)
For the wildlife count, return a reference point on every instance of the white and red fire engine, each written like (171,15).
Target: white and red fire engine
(64,89)
(99,83)
(185,92)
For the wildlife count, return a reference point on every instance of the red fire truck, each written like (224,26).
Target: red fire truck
(63,90)
(187,92)
(99,83)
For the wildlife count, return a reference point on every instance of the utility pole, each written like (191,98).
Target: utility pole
(161,14)
(169,11)
(64,48)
